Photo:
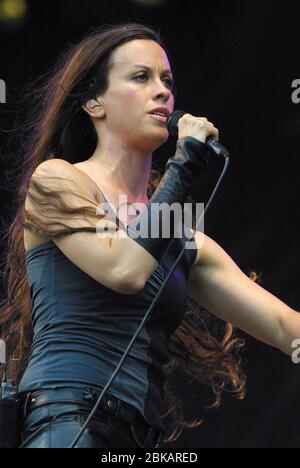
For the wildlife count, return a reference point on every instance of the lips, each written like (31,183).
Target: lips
(158,117)
(162,110)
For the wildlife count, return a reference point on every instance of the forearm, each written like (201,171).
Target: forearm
(290,330)
(158,222)
(231,295)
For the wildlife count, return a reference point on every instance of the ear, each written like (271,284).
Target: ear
(94,108)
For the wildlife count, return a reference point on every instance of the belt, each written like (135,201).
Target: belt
(118,408)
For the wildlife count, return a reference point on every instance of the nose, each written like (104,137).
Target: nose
(161,91)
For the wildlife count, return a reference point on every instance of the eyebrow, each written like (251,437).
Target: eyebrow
(149,69)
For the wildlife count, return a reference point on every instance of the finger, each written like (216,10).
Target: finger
(216,134)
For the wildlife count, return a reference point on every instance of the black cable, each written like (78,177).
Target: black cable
(147,314)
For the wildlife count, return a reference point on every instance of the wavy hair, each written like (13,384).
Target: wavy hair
(56,126)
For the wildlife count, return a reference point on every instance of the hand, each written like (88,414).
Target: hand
(197,127)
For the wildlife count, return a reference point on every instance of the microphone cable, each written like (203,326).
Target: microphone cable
(155,300)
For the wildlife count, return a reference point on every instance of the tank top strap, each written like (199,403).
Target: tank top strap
(110,208)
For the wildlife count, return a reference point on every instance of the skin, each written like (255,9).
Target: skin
(127,135)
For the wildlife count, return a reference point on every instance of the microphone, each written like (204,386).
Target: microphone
(215,146)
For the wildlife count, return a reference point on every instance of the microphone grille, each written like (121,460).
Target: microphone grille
(172,121)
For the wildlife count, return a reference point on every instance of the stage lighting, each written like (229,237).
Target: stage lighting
(12,10)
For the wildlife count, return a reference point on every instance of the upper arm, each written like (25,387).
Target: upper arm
(97,255)
(225,290)
(210,254)
(211,268)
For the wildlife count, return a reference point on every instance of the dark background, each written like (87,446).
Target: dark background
(234,62)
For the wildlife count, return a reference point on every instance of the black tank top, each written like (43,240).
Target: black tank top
(82,328)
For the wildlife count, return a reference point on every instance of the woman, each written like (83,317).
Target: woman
(91,141)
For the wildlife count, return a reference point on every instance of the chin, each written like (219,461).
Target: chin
(154,146)
(160,138)
(150,141)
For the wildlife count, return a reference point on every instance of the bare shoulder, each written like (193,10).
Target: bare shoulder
(53,166)
(50,167)
(58,173)
(65,171)
(56,167)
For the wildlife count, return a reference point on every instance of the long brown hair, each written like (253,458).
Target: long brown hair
(57,126)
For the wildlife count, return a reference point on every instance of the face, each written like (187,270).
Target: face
(140,80)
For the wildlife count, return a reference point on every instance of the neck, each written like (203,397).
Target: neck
(123,171)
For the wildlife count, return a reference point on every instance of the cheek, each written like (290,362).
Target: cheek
(128,106)
(135,102)
(129,96)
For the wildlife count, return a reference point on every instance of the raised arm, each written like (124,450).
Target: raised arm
(218,284)
(107,258)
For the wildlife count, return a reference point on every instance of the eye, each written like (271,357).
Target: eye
(169,81)
(141,76)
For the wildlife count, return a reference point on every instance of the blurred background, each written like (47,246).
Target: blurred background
(234,62)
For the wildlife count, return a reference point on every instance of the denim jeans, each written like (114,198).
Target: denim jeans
(56,425)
